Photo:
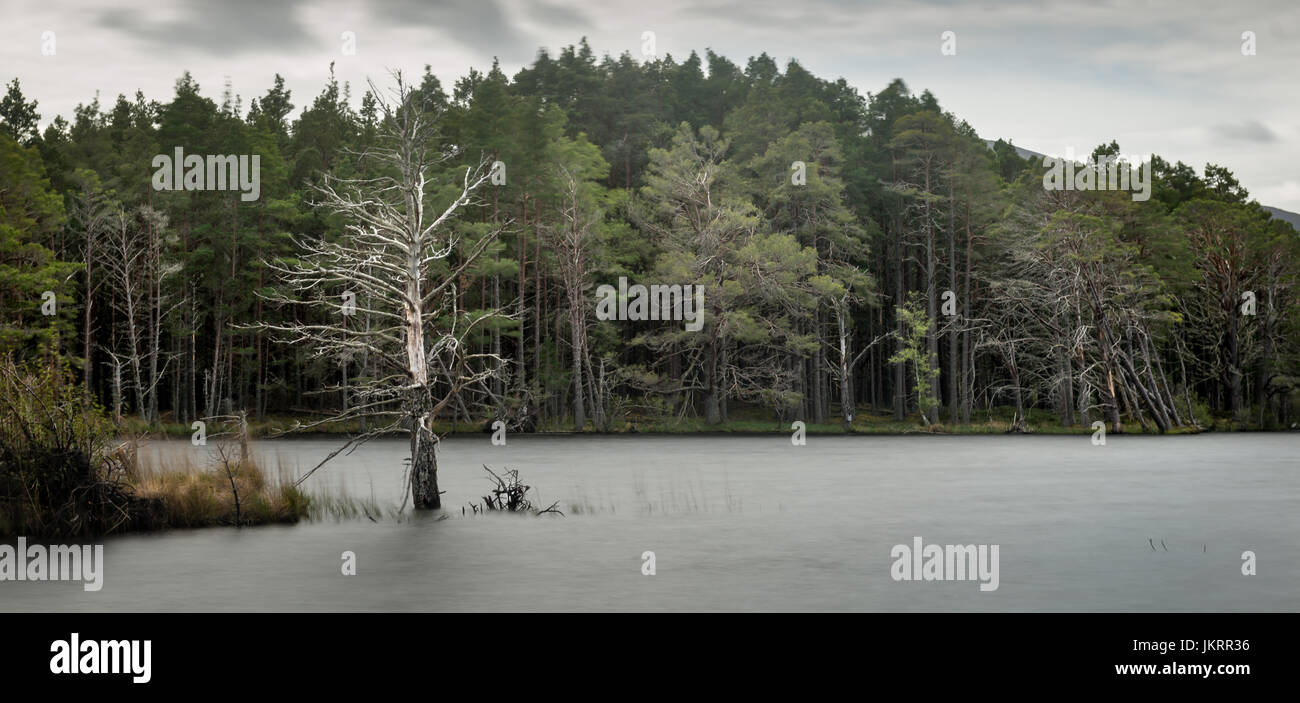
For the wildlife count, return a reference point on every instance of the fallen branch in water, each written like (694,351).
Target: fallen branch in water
(509,495)
(551,509)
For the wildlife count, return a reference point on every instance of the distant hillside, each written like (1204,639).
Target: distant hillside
(1277,213)
(1024,153)
(1284,215)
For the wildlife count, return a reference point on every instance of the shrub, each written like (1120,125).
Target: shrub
(58,475)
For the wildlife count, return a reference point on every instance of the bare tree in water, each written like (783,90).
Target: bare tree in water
(389,287)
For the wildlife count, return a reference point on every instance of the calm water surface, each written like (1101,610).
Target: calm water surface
(750,523)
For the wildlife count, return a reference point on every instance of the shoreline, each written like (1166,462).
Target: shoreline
(961,431)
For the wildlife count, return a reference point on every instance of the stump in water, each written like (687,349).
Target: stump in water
(424,468)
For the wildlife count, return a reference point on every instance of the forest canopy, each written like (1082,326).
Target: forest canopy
(859,256)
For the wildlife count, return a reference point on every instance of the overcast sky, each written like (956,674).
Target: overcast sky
(1159,77)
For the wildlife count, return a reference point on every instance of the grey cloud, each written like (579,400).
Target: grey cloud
(556,15)
(480,25)
(225,28)
(1245,131)
(235,27)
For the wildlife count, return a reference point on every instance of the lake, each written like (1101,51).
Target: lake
(749,523)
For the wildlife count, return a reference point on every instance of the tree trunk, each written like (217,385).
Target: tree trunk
(1233,372)
(1067,387)
(575,331)
(967,362)
(952,287)
(846,372)
(712,410)
(900,384)
(88,328)
(818,388)
(424,464)
(931,336)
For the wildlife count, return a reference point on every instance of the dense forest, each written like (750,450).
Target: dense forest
(860,256)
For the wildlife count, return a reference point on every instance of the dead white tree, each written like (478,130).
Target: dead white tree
(573,240)
(131,257)
(93,216)
(399,264)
